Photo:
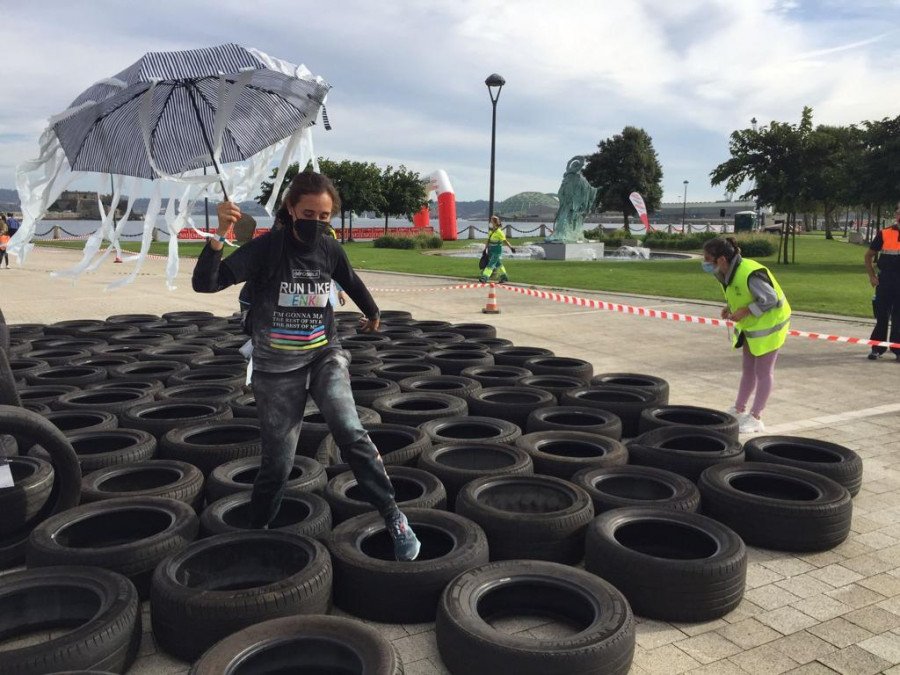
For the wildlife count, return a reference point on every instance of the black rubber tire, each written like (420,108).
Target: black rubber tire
(446,339)
(688,415)
(119,350)
(614,487)
(626,402)
(455,385)
(431,325)
(163,371)
(464,346)
(529,517)
(778,507)
(244,405)
(160,417)
(400,371)
(367,339)
(71,326)
(152,387)
(563,453)
(22,502)
(177,329)
(77,342)
(513,404)
(687,451)
(657,385)
(57,356)
(234,376)
(303,644)
(831,460)
(176,352)
(367,389)
(111,447)
(191,315)
(473,330)
(150,478)
(471,429)
(575,418)
(496,376)
(315,429)
(358,349)
(46,395)
(671,565)
(104,361)
(390,354)
(555,384)
(560,365)
(113,400)
(371,584)
(364,366)
(235,362)
(131,319)
(602,643)
(299,513)
(419,344)
(143,339)
(21,368)
(414,408)
(108,330)
(453,362)
(221,394)
(517,356)
(236,580)
(100,610)
(128,536)
(491,342)
(395,315)
(456,464)
(211,443)
(306,475)
(9,394)
(35,430)
(413,489)
(397,332)
(398,445)
(75,376)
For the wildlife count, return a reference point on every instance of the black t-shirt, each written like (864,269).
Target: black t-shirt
(292,318)
(887,264)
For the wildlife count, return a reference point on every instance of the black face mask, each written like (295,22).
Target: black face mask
(310,230)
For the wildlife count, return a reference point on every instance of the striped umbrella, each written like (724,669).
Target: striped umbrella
(172,112)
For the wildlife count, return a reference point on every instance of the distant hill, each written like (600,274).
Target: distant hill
(529,204)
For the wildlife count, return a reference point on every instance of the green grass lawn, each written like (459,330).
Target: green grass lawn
(829,276)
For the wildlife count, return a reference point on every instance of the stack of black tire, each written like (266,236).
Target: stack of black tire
(133,446)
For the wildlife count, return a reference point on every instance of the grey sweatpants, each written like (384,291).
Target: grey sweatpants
(281,401)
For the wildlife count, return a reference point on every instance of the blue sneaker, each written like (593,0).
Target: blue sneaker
(406,543)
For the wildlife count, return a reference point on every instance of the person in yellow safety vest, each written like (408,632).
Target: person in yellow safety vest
(886,246)
(494,247)
(762,316)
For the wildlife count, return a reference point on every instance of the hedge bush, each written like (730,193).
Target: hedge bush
(414,242)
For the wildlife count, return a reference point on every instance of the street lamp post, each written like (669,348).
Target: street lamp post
(684,208)
(759,216)
(492,81)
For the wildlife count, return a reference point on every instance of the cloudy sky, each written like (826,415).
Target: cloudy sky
(408,75)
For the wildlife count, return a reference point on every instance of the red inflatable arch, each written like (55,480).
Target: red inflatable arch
(439,183)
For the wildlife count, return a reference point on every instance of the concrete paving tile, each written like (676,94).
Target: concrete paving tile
(158,664)
(708,647)
(887,585)
(786,620)
(416,628)
(873,619)
(868,564)
(840,632)
(764,660)
(855,661)
(439,667)
(665,660)
(749,633)
(892,671)
(804,586)
(891,604)
(771,597)
(651,634)
(836,575)
(699,628)
(876,540)
(855,596)
(789,567)
(822,558)
(759,575)
(148,645)
(851,548)
(725,667)
(422,667)
(821,607)
(803,646)
(861,524)
(417,647)
(812,669)
(886,646)
(743,611)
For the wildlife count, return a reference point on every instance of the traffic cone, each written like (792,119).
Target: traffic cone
(491,307)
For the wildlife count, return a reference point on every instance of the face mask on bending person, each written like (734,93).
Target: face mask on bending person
(311,216)
(309,230)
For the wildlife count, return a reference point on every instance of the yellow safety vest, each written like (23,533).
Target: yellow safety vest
(496,239)
(764,333)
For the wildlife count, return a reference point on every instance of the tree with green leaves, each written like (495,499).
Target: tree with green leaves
(360,190)
(403,193)
(624,164)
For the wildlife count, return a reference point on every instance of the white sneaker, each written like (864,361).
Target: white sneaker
(731,410)
(751,425)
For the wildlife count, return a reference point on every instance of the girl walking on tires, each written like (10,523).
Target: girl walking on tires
(761,315)
(494,247)
(295,347)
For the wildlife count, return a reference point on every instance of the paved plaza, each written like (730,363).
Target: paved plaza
(831,612)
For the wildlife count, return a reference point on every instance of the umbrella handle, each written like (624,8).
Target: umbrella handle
(212,155)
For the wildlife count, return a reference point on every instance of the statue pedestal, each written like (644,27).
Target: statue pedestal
(560,250)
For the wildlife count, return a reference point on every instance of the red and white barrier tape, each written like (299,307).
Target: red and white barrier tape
(630,309)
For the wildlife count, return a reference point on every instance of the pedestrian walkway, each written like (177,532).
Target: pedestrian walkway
(831,612)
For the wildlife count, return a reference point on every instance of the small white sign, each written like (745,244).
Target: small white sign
(6,477)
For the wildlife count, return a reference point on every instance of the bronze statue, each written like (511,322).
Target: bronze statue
(576,199)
